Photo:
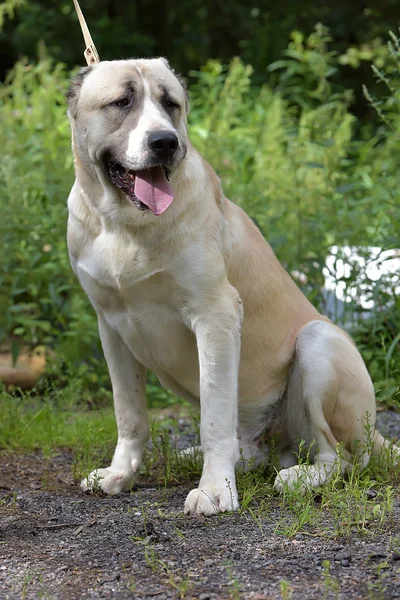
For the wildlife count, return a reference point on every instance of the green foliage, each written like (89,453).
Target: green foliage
(290,156)
(307,68)
(41,301)
(8,9)
(191,31)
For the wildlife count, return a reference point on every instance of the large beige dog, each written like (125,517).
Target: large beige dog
(184,284)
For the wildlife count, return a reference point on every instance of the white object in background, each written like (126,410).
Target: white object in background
(364,266)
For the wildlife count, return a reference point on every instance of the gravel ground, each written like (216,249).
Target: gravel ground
(56,542)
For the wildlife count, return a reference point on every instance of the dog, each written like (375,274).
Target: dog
(184,284)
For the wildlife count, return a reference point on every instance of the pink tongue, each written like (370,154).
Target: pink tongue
(153,189)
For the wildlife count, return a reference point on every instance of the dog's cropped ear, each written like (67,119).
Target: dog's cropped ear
(72,94)
(181,81)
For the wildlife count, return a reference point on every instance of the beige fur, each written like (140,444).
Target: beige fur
(197,296)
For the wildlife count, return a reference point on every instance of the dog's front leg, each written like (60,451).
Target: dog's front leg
(128,378)
(218,342)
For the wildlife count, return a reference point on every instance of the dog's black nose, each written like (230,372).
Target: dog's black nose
(163,143)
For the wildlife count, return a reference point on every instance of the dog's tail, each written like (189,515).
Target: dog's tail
(383,448)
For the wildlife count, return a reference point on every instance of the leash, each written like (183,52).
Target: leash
(90,53)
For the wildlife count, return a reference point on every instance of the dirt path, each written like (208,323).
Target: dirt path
(58,543)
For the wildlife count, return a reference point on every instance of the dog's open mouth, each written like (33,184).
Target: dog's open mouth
(147,189)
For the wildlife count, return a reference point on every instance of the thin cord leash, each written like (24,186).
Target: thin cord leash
(90,53)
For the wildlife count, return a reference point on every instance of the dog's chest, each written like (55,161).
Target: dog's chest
(142,302)
(121,277)
(113,263)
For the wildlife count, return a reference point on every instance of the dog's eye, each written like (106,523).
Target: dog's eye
(122,103)
(171,104)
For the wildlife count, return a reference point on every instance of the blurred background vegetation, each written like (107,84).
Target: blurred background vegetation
(294,103)
(190,32)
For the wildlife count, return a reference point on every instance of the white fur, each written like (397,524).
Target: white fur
(151,119)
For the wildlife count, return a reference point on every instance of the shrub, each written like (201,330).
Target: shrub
(291,157)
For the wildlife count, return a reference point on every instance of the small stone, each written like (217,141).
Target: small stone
(274,546)
(377,556)
(62,568)
(345,562)
(110,578)
(345,554)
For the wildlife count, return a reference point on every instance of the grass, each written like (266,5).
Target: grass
(286,589)
(360,503)
(49,423)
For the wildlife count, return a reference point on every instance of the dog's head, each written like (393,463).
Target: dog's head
(129,121)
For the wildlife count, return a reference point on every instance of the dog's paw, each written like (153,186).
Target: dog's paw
(289,479)
(211,500)
(109,480)
(301,478)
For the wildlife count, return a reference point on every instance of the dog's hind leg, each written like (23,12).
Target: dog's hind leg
(330,401)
